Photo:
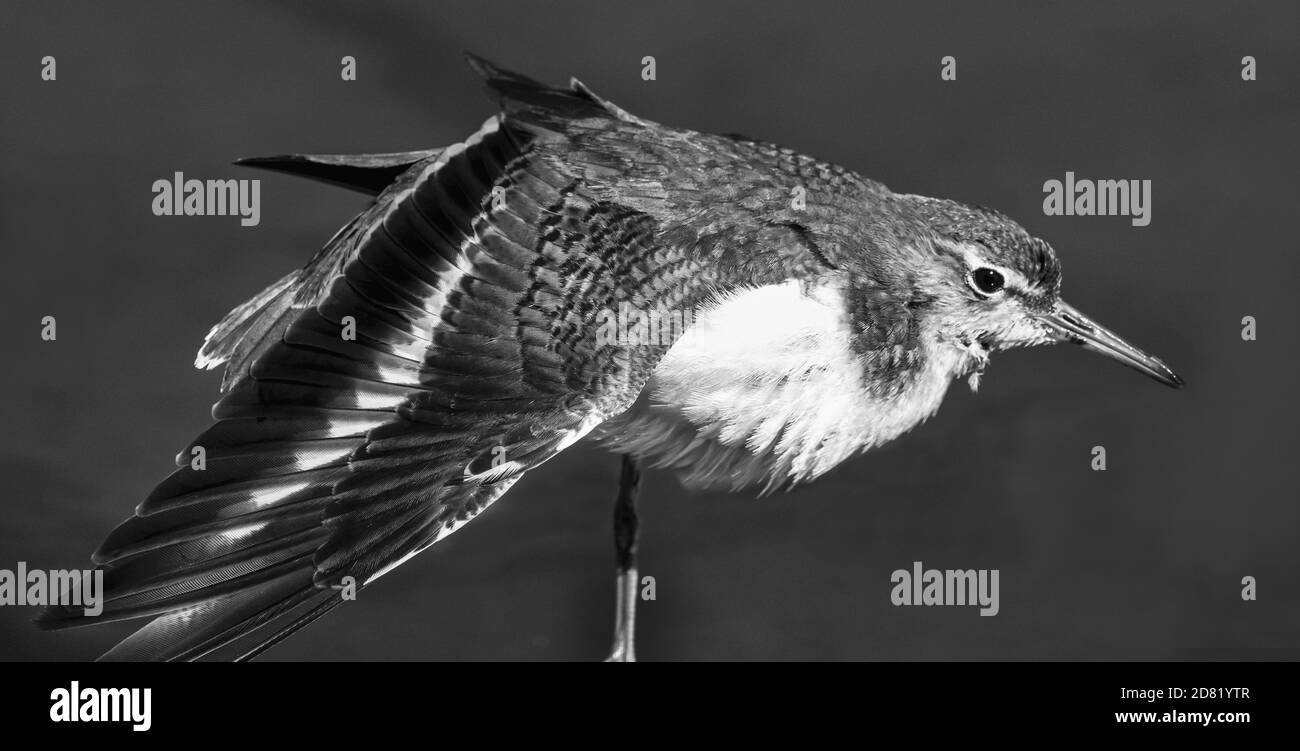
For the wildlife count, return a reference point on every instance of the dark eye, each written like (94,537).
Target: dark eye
(986,281)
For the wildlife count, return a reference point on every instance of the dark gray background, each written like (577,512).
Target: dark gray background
(1141,561)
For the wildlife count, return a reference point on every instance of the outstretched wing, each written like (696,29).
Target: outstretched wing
(442,344)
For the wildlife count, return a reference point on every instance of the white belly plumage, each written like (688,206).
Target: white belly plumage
(765,390)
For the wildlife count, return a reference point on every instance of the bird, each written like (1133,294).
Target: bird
(471,323)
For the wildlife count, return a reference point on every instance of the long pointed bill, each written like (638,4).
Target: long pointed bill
(1072,326)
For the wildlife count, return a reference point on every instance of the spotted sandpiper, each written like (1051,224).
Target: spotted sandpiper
(448,340)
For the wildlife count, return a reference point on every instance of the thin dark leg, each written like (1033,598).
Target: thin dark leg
(625,545)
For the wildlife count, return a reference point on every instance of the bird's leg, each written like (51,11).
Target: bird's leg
(625,544)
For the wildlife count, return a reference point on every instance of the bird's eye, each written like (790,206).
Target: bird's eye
(986,281)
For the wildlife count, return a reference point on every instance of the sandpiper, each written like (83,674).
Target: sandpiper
(445,342)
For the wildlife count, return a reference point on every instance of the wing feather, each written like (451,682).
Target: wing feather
(442,344)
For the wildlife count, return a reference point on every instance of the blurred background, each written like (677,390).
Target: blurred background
(1144,560)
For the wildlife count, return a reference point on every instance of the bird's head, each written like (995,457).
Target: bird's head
(978,281)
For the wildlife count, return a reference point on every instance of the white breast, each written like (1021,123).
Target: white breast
(765,389)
